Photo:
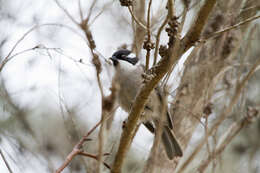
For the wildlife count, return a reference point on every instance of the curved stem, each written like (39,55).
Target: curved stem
(136,20)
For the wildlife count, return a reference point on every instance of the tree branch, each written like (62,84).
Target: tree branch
(77,149)
(5,161)
(94,157)
(215,34)
(156,72)
(66,12)
(135,19)
(9,56)
(221,118)
(227,137)
(158,35)
(196,28)
(148,44)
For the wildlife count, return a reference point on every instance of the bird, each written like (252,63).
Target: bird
(128,75)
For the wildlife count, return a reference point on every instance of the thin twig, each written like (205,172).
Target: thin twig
(91,9)
(207,134)
(192,6)
(221,118)
(191,113)
(148,41)
(69,158)
(136,20)
(66,12)
(94,157)
(103,9)
(84,25)
(101,141)
(100,86)
(215,34)
(256,7)
(8,57)
(77,148)
(225,139)
(5,161)
(158,35)
(80,10)
(166,79)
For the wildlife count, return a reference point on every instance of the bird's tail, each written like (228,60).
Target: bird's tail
(171,145)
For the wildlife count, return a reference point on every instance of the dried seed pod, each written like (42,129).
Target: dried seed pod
(148,45)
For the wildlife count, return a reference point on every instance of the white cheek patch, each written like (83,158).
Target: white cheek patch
(131,55)
(126,67)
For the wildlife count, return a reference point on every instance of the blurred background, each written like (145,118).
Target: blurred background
(49,96)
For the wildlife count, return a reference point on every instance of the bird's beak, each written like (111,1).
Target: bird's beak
(114,60)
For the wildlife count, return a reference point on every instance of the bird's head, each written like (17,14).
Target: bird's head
(124,56)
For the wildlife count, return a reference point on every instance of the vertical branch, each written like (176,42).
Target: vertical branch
(84,26)
(170,6)
(97,64)
(147,43)
(158,35)
(140,31)
(91,9)
(80,10)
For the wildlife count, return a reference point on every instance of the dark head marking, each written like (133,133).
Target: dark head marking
(123,55)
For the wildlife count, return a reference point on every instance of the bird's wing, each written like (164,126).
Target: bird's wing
(149,126)
(161,96)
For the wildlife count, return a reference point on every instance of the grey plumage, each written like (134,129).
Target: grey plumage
(129,77)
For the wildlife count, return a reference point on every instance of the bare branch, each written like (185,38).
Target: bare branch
(93,157)
(5,161)
(91,9)
(227,137)
(66,12)
(135,19)
(196,28)
(157,72)
(8,57)
(148,45)
(77,150)
(80,10)
(158,35)
(215,34)
(170,8)
(99,14)
(222,117)
(96,62)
